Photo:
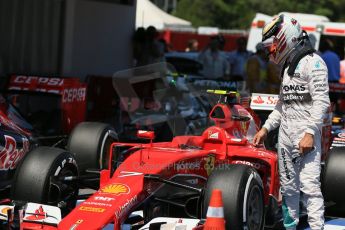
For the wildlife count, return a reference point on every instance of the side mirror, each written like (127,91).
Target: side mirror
(144,134)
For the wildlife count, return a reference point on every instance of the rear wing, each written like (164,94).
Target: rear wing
(68,109)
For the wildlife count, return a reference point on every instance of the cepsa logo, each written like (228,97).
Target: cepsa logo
(116,189)
(39,80)
(74,94)
(10,155)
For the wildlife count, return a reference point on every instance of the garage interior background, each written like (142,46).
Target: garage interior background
(65,37)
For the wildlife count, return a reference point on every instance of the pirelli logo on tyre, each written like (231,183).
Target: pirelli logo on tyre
(91,209)
(116,189)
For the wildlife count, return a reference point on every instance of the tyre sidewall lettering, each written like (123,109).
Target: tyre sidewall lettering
(67,160)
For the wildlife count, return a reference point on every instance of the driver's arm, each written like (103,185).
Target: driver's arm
(318,88)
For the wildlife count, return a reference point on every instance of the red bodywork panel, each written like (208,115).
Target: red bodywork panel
(71,90)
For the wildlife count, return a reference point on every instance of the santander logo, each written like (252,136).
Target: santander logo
(39,214)
(258,100)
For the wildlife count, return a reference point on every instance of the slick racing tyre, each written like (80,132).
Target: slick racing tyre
(90,143)
(333,183)
(243,196)
(37,178)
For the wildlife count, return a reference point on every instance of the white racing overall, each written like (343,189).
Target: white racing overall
(302,105)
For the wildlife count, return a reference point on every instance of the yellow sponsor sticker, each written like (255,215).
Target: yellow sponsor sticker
(91,209)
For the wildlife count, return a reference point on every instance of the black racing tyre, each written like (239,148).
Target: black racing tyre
(90,143)
(333,183)
(36,180)
(243,196)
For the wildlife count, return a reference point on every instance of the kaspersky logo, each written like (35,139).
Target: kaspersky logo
(116,189)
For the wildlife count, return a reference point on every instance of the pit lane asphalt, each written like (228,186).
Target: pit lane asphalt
(331,214)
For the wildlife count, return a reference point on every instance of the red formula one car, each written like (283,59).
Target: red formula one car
(167,178)
(172,179)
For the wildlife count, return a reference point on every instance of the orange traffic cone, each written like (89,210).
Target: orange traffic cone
(215,212)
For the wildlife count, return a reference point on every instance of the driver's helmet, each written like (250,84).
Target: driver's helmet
(280,36)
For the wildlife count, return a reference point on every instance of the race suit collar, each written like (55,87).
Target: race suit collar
(297,55)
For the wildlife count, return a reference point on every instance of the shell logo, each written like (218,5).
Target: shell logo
(116,189)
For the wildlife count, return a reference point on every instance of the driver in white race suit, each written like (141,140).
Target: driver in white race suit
(303,103)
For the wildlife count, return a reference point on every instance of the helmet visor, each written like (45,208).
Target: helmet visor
(270,45)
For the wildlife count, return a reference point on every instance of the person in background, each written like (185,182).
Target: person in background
(340,108)
(342,72)
(273,78)
(262,74)
(331,59)
(299,113)
(152,50)
(192,45)
(257,71)
(215,64)
(238,60)
(165,46)
(138,44)
(221,41)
